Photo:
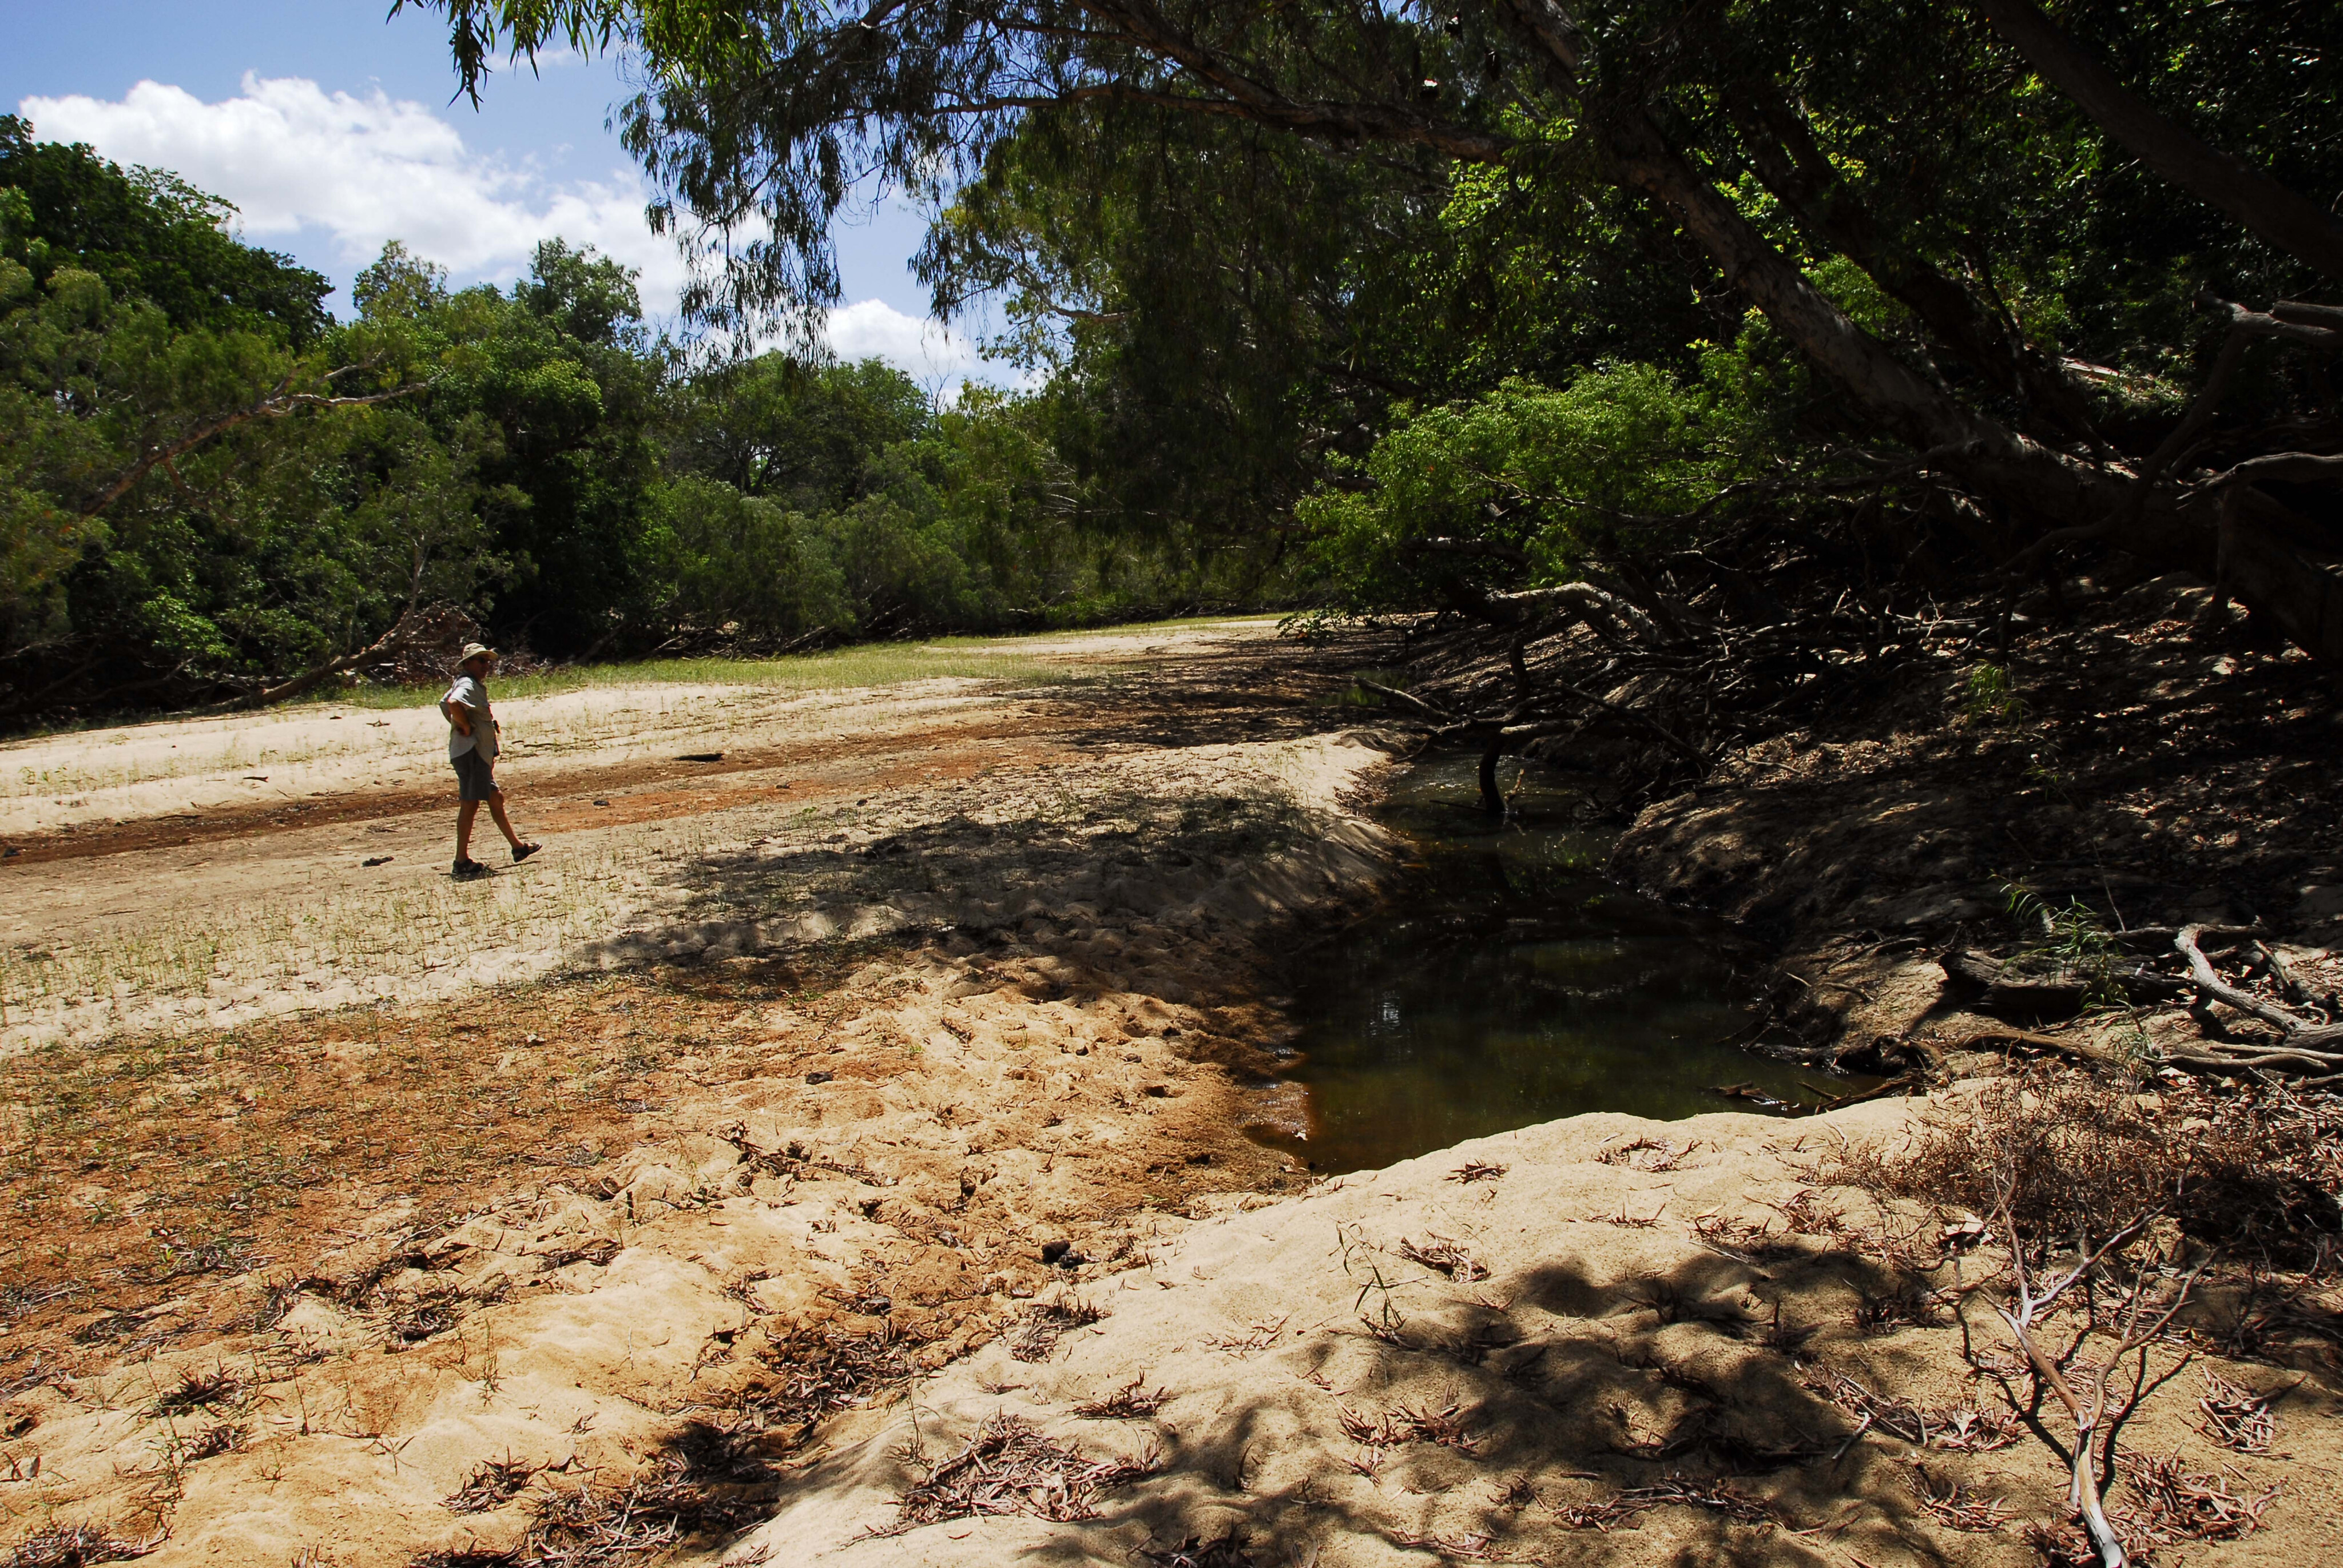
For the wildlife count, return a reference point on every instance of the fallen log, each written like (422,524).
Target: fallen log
(2304,1038)
(2012,995)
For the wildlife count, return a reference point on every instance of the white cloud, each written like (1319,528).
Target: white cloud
(927,350)
(365,170)
(362,170)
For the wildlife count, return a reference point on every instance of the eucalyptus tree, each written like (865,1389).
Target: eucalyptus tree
(1910,142)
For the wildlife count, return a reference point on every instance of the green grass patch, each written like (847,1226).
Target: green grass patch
(863,665)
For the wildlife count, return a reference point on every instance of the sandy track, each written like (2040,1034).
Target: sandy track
(211,871)
(792,1082)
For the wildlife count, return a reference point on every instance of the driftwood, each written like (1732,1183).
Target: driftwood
(2299,1030)
(1604,612)
(2010,995)
(2306,1049)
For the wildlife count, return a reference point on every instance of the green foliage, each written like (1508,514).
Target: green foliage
(149,235)
(540,459)
(2074,942)
(743,564)
(1552,477)
(1438,346)
(801,434)
(1991,697)
(1241,236)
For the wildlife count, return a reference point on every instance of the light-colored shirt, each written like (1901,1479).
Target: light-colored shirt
(473,694)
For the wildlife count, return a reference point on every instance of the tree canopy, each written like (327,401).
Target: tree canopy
(1353,308)
(1994,250)
(211,490)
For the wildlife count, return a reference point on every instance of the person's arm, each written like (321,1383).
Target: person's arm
(458,714)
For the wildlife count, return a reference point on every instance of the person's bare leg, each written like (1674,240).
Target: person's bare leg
(504,823)
(464,815)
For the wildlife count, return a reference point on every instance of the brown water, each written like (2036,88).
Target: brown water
(1507,982)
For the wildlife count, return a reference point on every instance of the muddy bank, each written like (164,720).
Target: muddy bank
(2144,767)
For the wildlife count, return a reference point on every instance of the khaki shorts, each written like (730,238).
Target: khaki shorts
(476,775)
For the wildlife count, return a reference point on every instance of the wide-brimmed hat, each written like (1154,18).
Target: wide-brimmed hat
(473,650)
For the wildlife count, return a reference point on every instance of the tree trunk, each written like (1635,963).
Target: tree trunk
(2263,569)
(1782,151)
(2260,204)
(1997,461)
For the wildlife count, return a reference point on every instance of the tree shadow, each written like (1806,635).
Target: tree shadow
(1662,1414)
(1229,693)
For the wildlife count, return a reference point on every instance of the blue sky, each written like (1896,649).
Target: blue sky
(333,129)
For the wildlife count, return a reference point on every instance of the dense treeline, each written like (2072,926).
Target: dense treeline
(1714,314)
(208,486)
(1925,297)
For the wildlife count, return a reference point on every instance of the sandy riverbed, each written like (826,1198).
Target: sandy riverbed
(800,1123)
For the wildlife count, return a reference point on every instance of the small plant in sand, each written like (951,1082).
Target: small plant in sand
(2074,942)
(641,1520)
(1622,1509)
(2102,1210)
(1046,1322)
(2236,1417)
(75,1545)
(1130,1403)
(1990,696)
(1446,1257)
(492,1484)
(1955,1506)
(1957,1429)
(1225,1551)
(1445,1425)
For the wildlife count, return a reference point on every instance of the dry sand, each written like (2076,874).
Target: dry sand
(1321,1394)
(211,871)
(826,1058)
(712,1182)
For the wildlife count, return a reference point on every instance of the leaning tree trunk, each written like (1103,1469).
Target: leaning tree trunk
(2299,589)
(1782,152)
(2262,206)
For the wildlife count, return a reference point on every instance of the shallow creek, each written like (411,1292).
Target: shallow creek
(1507,982)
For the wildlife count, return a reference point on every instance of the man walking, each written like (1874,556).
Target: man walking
(472,749)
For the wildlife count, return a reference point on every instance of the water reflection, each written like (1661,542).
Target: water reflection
(1508,984)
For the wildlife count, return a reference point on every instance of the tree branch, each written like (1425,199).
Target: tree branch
(275,406)
(2260,202)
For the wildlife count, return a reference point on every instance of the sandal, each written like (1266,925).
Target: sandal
(523,851)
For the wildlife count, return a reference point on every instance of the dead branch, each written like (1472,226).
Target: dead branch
(276,404)
(262,695)
(2303,1037)
(2005,992)
(1606,611)
(1492,550)
(1407,699)
(1667,737)
(2285,468)
(2094,1408)
(2308,314)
